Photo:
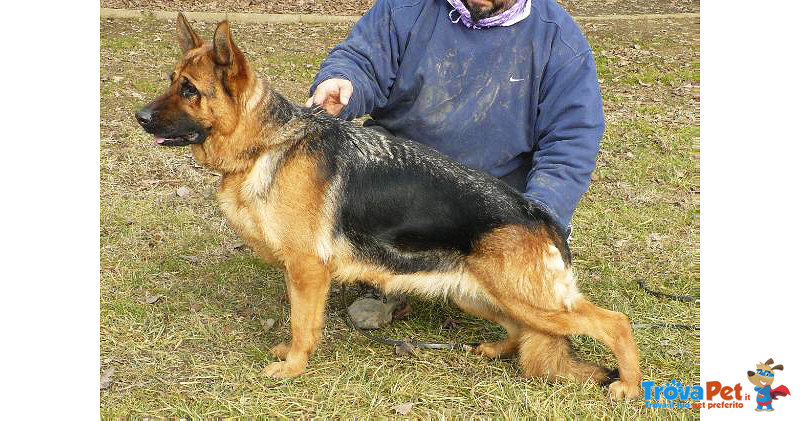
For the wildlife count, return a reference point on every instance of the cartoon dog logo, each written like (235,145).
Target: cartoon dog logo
(763,378)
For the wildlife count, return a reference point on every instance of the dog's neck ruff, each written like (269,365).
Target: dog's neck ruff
(237,150)
(256,96)
(518,11)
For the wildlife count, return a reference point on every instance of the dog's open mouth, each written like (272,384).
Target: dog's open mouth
(189,139)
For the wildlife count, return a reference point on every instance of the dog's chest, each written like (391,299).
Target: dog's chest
(248,214)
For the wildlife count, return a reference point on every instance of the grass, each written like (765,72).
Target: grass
(199,349)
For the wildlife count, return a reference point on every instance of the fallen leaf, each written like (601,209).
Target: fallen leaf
(267,324)
(620,243)
(117,79)
(403,408)
(594,176)
(655,239)
(105,378)
(191,259)
(629,155)
(239,245)
(450,324)
(405,349)
(183,191)
(150,299)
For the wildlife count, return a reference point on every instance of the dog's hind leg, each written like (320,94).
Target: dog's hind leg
(611,328)
(308,282)
(524,274)
(552,357)
(479,307)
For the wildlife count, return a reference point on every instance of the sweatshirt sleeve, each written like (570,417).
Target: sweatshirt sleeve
(567,134)
(368,58)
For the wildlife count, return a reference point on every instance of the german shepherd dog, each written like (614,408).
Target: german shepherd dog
(328,199)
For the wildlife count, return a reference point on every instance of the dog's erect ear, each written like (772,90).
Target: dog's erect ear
(224,49)
(769,361)
(778,367)
(236,74)
(186,36)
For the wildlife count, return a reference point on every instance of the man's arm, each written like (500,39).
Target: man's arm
(568,131)
(368,58)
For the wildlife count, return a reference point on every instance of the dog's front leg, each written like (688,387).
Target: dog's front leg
(308,281)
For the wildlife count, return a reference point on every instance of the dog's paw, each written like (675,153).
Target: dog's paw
(283,370)
(490,349)
(280,350)
(619,390)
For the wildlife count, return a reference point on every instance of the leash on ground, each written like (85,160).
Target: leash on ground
(684,298)
(672,297)
(469,346)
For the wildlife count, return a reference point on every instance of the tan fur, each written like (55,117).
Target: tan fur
(273,195)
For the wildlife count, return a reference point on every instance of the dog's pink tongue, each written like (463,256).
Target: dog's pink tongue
(158,140)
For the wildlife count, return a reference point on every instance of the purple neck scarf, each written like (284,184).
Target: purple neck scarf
(496,20)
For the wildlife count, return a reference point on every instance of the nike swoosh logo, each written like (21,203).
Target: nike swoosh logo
(511,79)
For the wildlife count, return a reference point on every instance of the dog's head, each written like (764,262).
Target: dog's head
(205,94)
(764,374)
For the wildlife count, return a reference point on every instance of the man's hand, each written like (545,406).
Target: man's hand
(332,95)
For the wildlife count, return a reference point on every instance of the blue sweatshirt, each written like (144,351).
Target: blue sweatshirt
(495,99)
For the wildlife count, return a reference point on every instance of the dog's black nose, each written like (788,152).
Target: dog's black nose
(144,116)
(750,374)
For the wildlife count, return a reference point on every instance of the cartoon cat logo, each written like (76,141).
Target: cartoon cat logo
(763,378)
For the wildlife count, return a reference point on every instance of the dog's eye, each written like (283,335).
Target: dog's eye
(760,372)
(188,90)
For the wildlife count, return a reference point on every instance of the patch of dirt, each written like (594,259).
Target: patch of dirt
(629,7)
(328,7)
(359,7)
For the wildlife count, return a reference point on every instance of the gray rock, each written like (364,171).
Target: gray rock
(371,313)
